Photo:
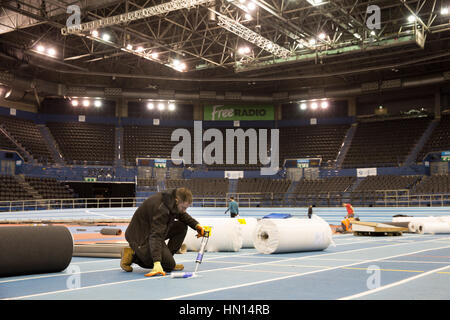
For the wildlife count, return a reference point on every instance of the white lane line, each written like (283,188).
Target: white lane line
(293,276)
(63,274)
(394,284)
(220,269)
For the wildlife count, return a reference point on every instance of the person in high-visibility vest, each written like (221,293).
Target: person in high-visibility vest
(347,222)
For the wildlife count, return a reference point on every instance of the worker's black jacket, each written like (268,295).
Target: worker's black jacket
(152,220)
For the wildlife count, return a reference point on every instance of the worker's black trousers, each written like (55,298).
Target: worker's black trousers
(176,235)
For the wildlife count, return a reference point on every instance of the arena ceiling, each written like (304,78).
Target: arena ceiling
(257,46)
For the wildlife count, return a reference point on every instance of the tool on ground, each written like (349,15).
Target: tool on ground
(199,258)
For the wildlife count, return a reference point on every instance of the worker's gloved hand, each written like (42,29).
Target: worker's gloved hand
(200,231)
(157,269)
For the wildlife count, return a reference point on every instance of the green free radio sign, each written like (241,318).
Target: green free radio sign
(231,112)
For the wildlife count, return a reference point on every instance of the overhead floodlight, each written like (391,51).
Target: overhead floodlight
(322,36)
(161,106)
(51,52)
(312,42)
(171,106)
(150,106)
(314,105)
(139,49)
(97,103)
(315,2)
(244,50)
(324,104)
(129,47)
(154,55)
(40,48)
(251,6)
(86,103)
(245,33)
(444,11)
(94,33)
(75,103)
(411,19)
(106,37)
(303,106)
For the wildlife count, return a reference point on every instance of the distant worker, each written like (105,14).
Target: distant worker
(310,211)
(347,222)
(233,208)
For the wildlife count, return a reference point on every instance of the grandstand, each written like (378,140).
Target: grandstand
(77,123)
(293,109)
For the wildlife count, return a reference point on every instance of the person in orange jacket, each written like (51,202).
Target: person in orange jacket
(347,222)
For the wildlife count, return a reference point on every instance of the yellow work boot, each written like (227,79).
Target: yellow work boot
(178,267)
(126,259)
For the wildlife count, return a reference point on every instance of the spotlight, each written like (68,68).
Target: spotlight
(139,49)
(40,48)
(154,55)
(314,105)
(51,52)
(129,47)
(161,106)
(97,103)
(312,42)
(106,37)
(7,93)
(248,16)
(86,103)
(75,103)
(94,33)
(444,11)
(411,19)
(244,50)
(322,36)
(171,106)
(303,106)
(251,6)
(324,104)
(150,106)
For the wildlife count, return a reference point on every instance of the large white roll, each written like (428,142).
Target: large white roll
(248,227)
(292,235)
(422,219)
(225,235)
(412,226)
(433,227)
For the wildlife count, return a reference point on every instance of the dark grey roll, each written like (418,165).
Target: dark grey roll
(34,249)
(111,231)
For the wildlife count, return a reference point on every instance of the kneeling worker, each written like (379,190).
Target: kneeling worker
(160,217)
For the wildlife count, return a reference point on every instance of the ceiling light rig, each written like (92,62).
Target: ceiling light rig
(251,36)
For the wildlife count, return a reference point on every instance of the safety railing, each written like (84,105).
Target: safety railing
(379,198)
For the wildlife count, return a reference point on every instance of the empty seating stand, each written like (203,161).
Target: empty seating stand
(312,141)
(50,188)
(388,182)
(84,143)
(325,185)
(439,139)
(27,134)
(436,184)
(201,187)
(148,141)
(384,143)
(11,190)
